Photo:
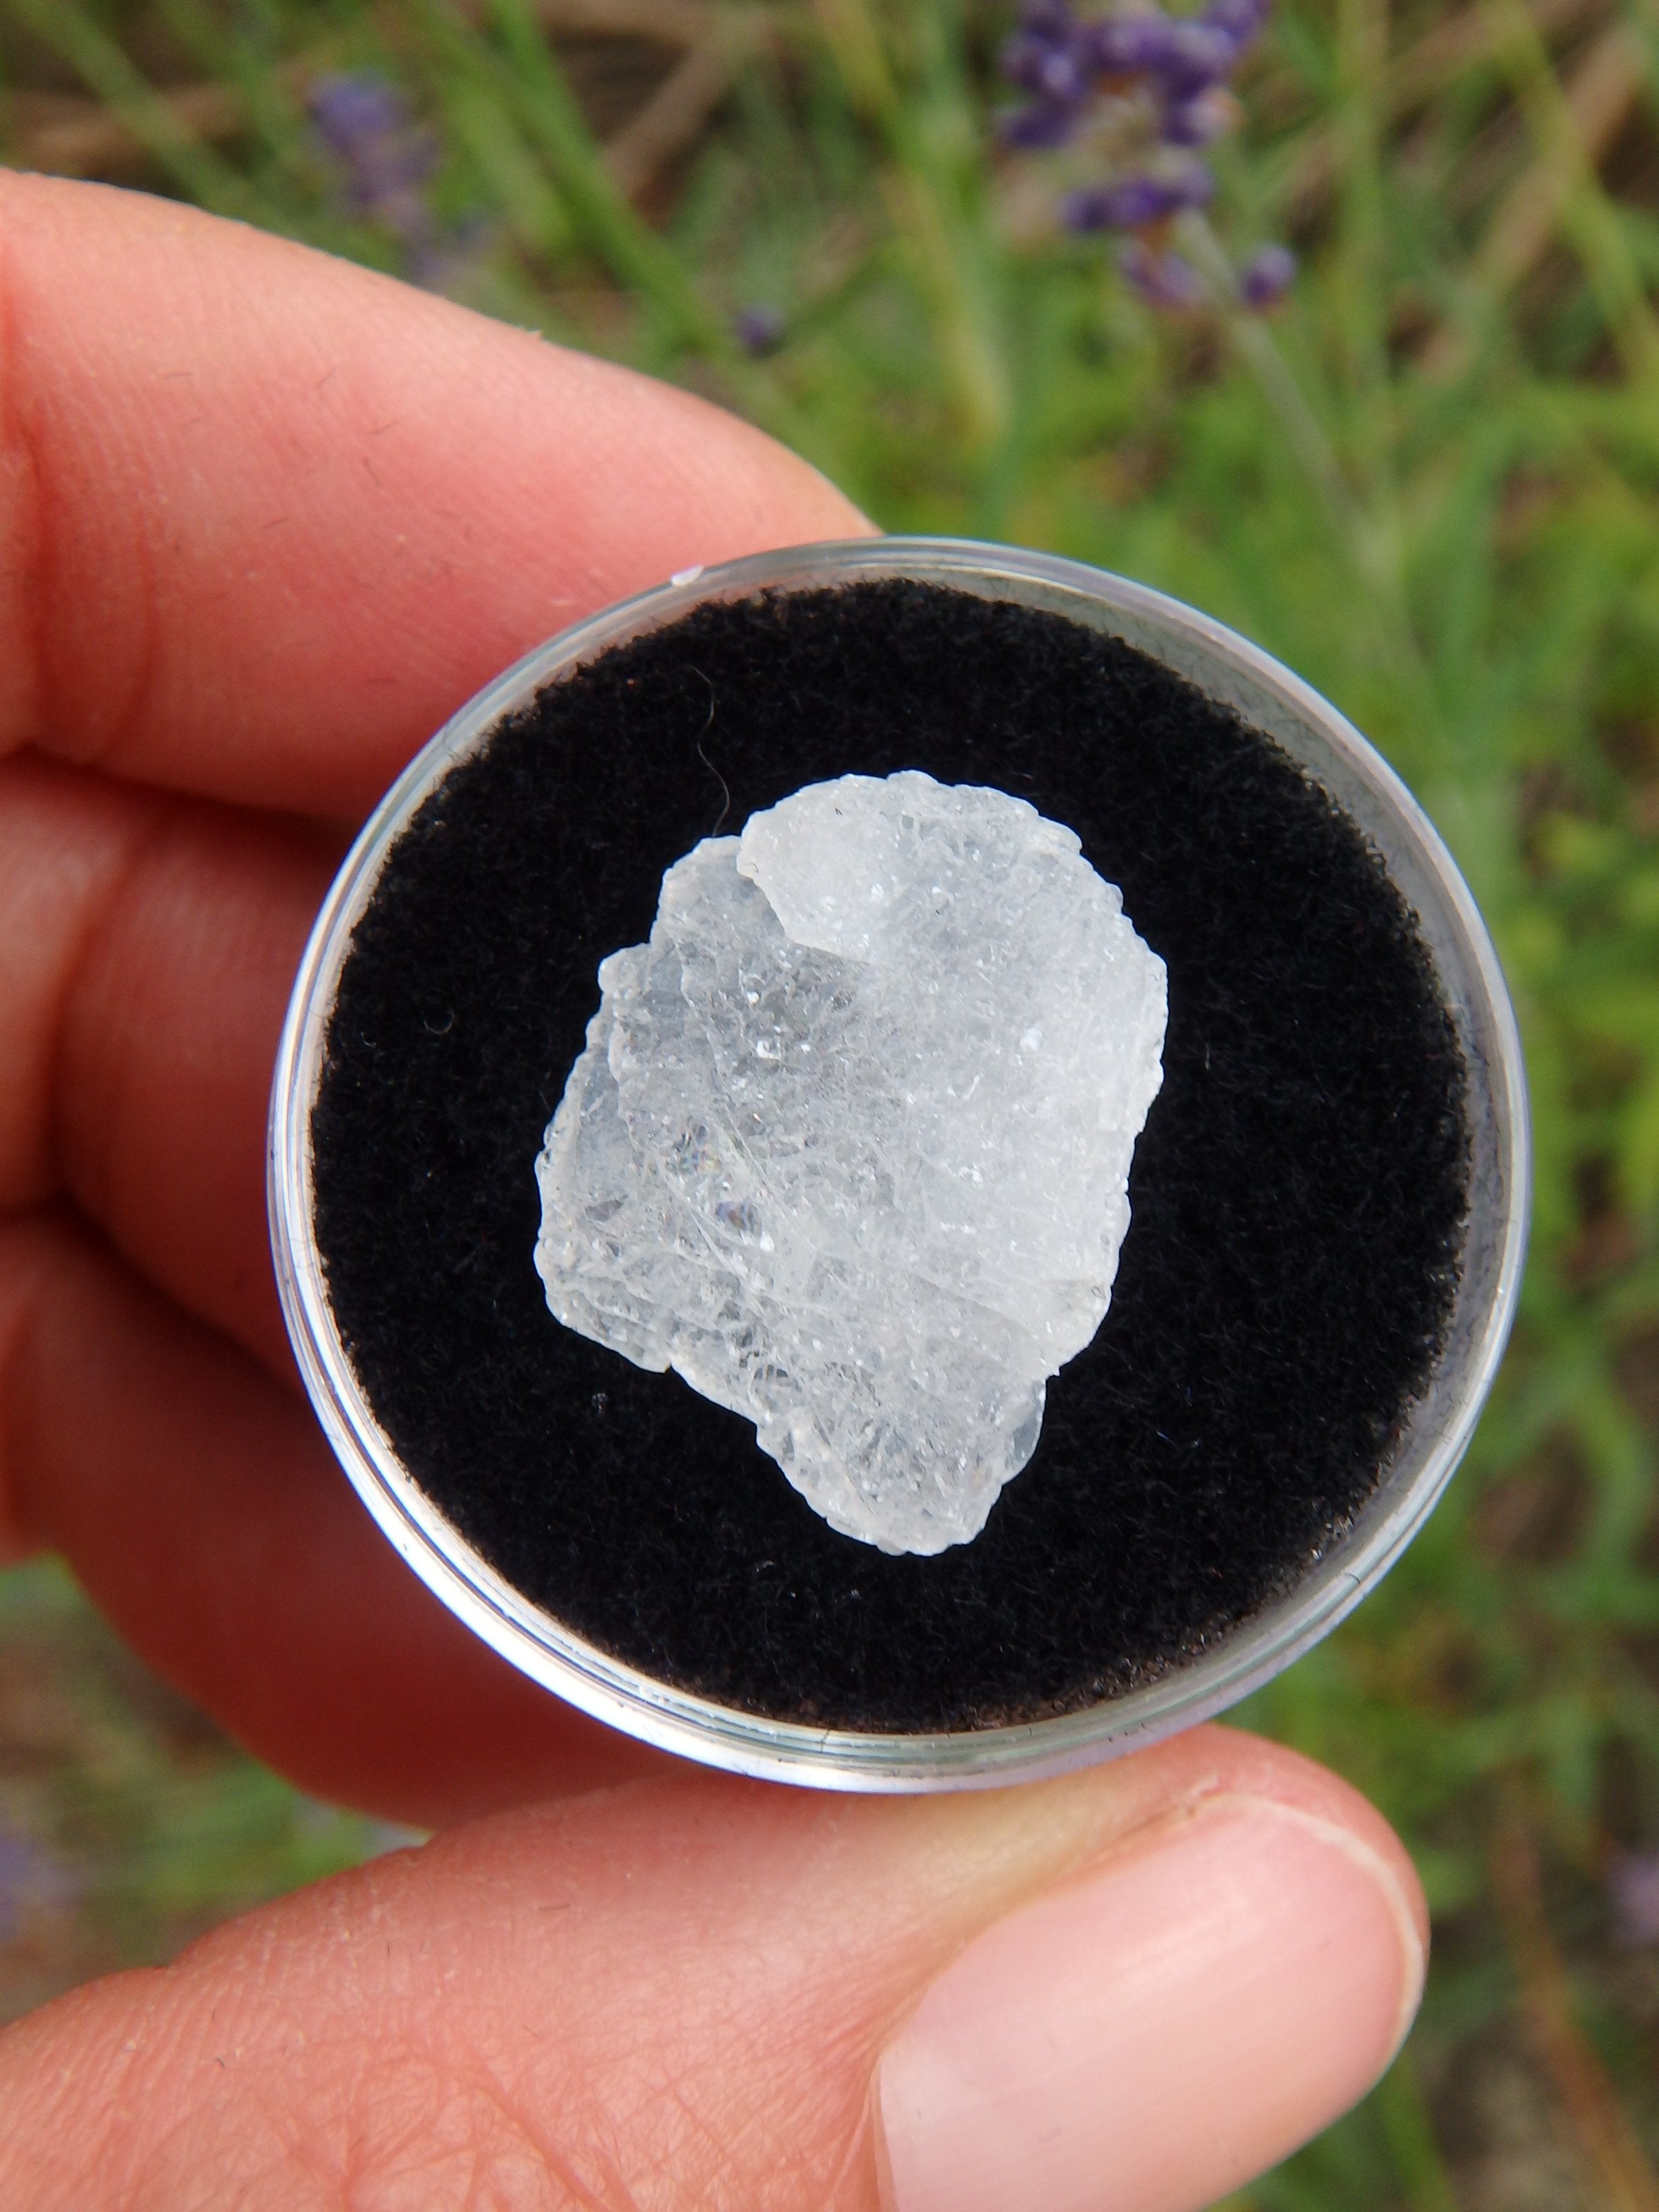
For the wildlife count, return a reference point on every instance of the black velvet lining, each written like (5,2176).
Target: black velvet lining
(1297,1194)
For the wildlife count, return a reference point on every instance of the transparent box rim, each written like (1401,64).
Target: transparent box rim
(1229,668)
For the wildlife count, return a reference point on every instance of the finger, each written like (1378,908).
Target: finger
(147,943)
(1129,1991)
(66,843)
(198,1504)
(266,518)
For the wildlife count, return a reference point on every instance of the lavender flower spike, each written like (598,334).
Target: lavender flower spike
(1265,278)
(1157,84)
(387,159)
(356,113)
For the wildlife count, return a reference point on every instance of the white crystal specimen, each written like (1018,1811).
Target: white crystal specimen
(849,1144)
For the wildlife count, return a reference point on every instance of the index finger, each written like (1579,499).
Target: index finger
(266,518)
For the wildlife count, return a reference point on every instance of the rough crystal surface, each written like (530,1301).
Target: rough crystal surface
(849,1144)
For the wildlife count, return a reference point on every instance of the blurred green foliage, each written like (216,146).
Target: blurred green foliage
(1429,484)
(128,1825)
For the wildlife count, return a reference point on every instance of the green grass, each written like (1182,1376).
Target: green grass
(1430,486)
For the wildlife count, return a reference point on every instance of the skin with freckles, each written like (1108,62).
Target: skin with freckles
(265,520)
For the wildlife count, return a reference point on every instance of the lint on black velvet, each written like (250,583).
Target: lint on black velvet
(1297,1194)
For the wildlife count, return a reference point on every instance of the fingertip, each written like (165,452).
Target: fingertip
(1217,1759)
(1248,1962)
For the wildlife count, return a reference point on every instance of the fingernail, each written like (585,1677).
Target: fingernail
(1148,2038)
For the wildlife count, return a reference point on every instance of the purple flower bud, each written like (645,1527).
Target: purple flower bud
(1267,277)
(1199,55)
(1162,280)
(1131,45)
(1126,204)
(1055,69)
(1193,186)
(1240,20)
(1197,121)
(1135,203)
(365,124)
(352,112)
(1035,128)
(758,329)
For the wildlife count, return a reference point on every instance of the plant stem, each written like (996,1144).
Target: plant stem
(1303,434)
(1606,2137)
(1369,551)
(1589,218)
(924,195)
(1411,2138)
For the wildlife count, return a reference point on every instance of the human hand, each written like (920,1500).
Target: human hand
(265,521)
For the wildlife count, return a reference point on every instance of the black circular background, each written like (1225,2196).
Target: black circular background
(1297,1195)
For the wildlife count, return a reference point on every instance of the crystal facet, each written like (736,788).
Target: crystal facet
(849,1144)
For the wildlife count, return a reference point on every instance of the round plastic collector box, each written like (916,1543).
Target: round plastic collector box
(1335,756)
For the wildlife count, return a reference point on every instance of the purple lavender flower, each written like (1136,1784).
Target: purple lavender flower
(1241,20)
(1131,45)
(1058,69)
(1157,83)
(1136,202)
(352,112)
(387,159)
(1265,278)
(1050,56)
(1126,204)
(1037,127)
(1067,65)
(1162,280)
(758,329)
(1199,121)
(1199,54)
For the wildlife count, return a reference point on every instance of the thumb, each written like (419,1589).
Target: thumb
(1132,1988)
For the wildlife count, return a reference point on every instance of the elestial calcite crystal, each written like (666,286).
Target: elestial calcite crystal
(849,1144)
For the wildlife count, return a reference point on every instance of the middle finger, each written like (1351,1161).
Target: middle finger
(150,945)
